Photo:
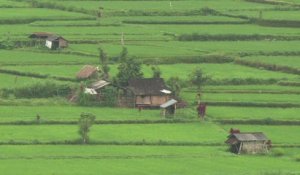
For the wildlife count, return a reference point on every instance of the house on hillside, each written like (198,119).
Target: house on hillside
(248,142)
(148,92)
(55,42)
(87,72)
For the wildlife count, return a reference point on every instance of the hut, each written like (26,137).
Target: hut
(87,72)
(55,42)
(149,92)
(252,142)
(168,108)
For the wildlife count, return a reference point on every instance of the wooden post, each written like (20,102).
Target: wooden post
(240,148)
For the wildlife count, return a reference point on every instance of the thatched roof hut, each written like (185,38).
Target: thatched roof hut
(252,142)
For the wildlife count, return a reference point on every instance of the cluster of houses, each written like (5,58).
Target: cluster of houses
(140,93)
(50,40)
(153,93)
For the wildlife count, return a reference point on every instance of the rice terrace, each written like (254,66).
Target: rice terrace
(167,87)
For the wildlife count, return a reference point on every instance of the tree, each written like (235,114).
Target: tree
(156,72)
(175,86)
(128,69)
(104,63)
(198,79)
(123,54)
(85,122)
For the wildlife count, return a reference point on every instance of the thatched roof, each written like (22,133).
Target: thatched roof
(40,35)
(147,86)
(246,137)
(86,72)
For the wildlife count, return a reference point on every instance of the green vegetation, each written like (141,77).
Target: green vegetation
(247,49)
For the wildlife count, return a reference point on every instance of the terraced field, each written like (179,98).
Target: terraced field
(249,49)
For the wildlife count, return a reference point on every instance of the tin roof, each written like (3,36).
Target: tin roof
(99,84)
(168,103)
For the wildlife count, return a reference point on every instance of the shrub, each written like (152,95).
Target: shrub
(41,90)
(278,152)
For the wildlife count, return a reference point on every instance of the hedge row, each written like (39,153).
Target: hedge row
(184,22)
(278,23)
(130,143)
(234,37)
(288,83)
(254,104)
(202,11)
(239,81)
(272,67)
(36,75)
(273,53)
(273,2)
(38,90)
(267,121)
(189,59)
(99,122)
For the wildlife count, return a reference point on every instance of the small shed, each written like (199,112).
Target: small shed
(55,42)
(149,92)
(40,35)
(252,142)
(169,108)
(87,72)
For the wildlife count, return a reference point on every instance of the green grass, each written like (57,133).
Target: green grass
(235,97)
(150,160)
(35,13)
(164,6)
(175,133)
(72,113)
(32,58)
(253,113)
(19,81)
(215,71)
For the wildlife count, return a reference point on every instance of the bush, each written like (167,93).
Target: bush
(41,90)
(278,152)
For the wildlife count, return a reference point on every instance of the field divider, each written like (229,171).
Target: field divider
(271,67)
(267,121)
(245,92)
(36,75)
(117,143)
(101,122)
(252,104)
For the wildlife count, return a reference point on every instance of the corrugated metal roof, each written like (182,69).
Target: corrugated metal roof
(99,84)
(168,103)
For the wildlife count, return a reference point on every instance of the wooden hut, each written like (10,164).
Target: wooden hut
(87,72)
(149,92)
(168,108)
(254,142)
(55,42)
